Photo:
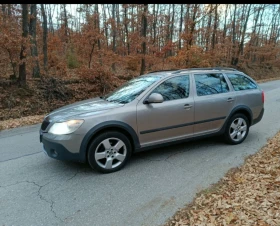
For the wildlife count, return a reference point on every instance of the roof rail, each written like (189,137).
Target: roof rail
(176,69)
(205,69)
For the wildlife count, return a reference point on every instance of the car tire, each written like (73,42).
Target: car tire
(109,152)
(237,129)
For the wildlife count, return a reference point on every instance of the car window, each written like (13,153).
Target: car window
(174,88)
(132,89)
(240,82)
(207,84)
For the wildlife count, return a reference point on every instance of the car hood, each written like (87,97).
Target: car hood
(85,107)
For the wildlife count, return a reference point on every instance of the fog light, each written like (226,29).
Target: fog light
(54,153)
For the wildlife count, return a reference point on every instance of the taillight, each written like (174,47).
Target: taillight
(263,96)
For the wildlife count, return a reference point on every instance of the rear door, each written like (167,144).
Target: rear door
(213,100)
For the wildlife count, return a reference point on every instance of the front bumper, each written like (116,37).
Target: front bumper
(57,150)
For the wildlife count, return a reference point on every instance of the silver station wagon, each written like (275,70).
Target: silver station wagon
(152,110)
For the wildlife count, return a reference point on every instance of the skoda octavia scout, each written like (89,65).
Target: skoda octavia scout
(154,109)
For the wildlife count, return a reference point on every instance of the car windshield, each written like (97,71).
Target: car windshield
(132,89)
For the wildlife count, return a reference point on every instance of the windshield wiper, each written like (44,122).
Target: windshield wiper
(118,102)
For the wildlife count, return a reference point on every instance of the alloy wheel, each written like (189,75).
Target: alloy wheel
(110,153)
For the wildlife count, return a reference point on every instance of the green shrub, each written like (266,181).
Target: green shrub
(72,61)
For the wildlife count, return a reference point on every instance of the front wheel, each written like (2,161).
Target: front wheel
(237,129)
(109,152)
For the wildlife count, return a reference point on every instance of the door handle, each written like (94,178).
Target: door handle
(230,99)
(187,106)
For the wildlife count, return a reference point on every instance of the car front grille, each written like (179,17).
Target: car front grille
(45,125)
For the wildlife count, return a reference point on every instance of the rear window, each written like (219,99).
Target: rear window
(241,82)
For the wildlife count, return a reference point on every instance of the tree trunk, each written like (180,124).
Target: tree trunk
(105,26)
(132,19)
(32,32)
(22,66)
(209,27)
(225,24)
(97,27)
(193,24)
(240,47)
(143,35)
(126,29)
(65,23)
(118,32)
(45,38)
(114,27)
(233,37)
(180,26)
(90,56)
(214,41)
(167,30)
(50,15)
(114,33)
(172,28)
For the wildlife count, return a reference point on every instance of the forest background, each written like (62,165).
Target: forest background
(55,54)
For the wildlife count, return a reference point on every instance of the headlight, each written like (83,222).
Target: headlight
(67,127)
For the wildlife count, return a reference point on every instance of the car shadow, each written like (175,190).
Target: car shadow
(163,152)
(156,154)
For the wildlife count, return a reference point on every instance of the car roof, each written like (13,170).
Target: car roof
(178,71)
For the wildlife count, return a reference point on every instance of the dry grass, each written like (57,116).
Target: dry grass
(23,121)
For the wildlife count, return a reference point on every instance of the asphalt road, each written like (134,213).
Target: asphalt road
(37,190)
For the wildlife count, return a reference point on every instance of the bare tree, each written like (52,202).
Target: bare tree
(143,35)
(65,18)
(45,38)
(233,35)
(180,26)
(97,28)
(235,58)
(214,41)
(172,27)
(32,32)
(209,27)
(105,25)
(126,22)
(193,23)
(22,65)
(225,23)
(114,33)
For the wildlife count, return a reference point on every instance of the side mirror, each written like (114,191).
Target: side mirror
(154,98)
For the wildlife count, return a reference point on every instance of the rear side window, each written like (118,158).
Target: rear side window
(174,88)
(240,82)
(208,84)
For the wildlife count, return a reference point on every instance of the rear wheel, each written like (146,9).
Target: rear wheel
(237,129)
(109,152)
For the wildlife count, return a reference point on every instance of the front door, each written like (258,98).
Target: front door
(170,120)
